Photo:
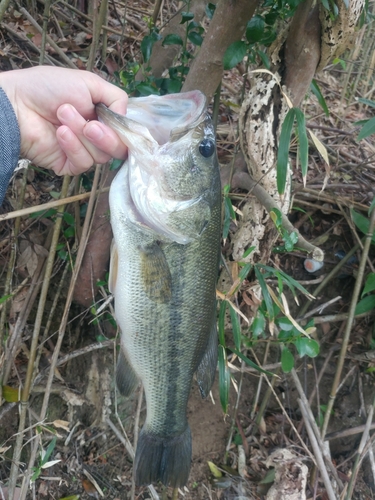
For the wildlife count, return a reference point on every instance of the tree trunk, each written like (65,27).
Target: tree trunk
(227,26)
(310,40)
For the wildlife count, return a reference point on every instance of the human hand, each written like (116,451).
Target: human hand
(52,106)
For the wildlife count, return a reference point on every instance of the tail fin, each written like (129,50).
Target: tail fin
(163,459)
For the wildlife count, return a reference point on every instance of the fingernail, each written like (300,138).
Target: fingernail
(93,132)
(66,113)
(65,134)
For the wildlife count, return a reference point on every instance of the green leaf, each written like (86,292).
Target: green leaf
(250,363)
(315,89)
(4,298)
(44,213)
(49,451)
(210,10)
(307,347)
(283,152)
(259,324)
(269,477)
(214,470)
(264,58)
(303,141)
(234,54)
(277,217)
(245,271)
(186,16)
(362,223)
(288,280)
(11,394)
(365,305)
(146,89)
(222,311)
(255,29)
(265,292)
(236,327)
(229,215)
(287,360)
(284,324)
(367,129)
(372,206)
(248,252)
(224,378)
(146,47)
(195,38)
(69,232)
(69,219)
(369,285)
(115,164)
(172,39)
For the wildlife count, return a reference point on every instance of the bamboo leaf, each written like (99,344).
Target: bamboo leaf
(222,311)
(250,363)
(265,292)
(367,129)
(224,378)
(283,151)
(236,327)
(317,92)
(368,102)
(303,143)
(319,146)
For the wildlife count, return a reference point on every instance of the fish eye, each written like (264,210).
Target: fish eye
(207,148)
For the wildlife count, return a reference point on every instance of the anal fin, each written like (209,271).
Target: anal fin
(207,367)
(126,378)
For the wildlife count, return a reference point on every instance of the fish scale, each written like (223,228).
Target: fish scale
(163,276)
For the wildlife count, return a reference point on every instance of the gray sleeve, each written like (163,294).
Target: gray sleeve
(10,143)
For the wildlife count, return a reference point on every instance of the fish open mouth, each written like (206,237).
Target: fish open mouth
(168,115)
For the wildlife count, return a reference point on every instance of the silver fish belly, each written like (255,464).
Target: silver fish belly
(165,213)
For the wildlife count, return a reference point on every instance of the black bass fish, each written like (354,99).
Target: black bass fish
(165,207)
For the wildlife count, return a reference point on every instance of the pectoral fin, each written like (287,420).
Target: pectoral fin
(113,267)
(207,368)
(155,274)
(126,378)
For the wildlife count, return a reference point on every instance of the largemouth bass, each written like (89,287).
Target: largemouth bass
(165,215)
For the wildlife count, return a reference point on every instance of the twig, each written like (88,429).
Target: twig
(130,450)
(328,278)
(136,430)
(352,431)
(349,323)
(50,204)
(60,52)
(84,350)
(332,318)
(320,308)
(310,422)
(64,319)
(318,455)
(34,344)
(287,416)
(360,450)
(243,180)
